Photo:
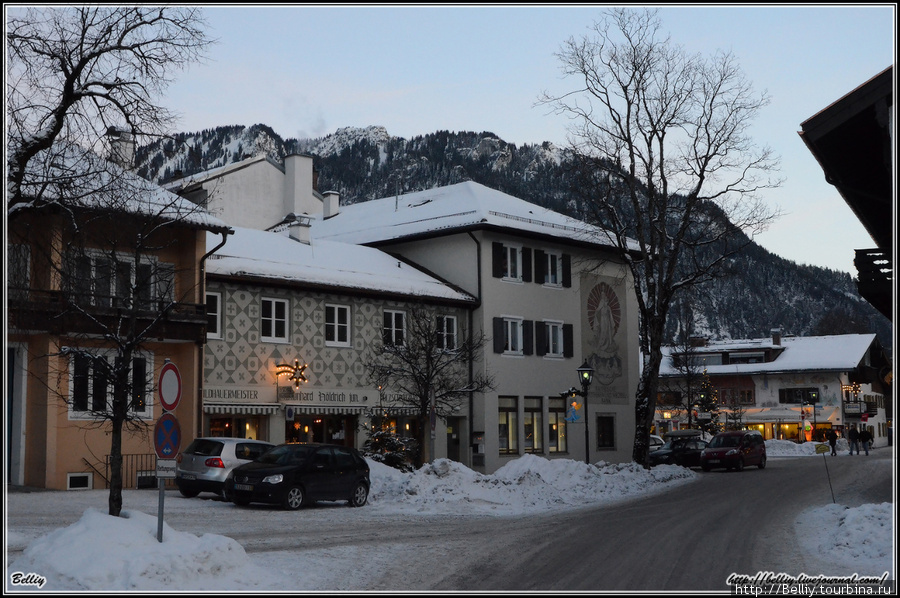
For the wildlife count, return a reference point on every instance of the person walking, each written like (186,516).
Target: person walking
(853,437)
(832,440)
(865,437)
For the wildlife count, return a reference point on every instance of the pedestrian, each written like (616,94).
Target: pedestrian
(832,440)
(853,437)
(865,437)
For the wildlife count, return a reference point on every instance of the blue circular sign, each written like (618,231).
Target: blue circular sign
(167,436)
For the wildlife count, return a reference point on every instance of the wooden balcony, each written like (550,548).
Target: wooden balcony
(58,313)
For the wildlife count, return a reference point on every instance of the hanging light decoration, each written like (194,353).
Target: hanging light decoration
(296,373)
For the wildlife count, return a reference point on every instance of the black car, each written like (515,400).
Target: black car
(294,475)
(682,447)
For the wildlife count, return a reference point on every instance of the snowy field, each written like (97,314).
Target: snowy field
(123,553)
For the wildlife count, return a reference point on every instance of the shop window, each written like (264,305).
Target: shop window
(556,439)
(534,437)
(508,425)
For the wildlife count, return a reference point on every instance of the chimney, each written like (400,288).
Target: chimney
(776,337)
(121,148)
(331,204)
(298,230)
(298,184)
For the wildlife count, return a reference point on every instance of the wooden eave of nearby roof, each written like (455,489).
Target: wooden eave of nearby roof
(851,140)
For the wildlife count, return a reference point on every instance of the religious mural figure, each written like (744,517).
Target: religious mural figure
(604,313)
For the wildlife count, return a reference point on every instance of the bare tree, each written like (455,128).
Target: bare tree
(429,370)
(667,165)
(108,274)
(73,72)
(92,231)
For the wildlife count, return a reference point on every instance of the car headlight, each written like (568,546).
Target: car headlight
(273,479)
(732,452)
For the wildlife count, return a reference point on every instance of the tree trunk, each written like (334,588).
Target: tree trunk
(648,387)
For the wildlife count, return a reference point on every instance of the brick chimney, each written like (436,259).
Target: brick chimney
(776,337)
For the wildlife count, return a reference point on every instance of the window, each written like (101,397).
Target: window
(508,425)
(91,384)
(274,320)
(747,357)
(511,262)
(214,315)
(337,325)
(732,396)
(93,278)
(446,332)
(554,339)
(606,432)
(798,395)
(556,441)
(552,268)
(18,271)
(394,331)
(513,336)
(534,437)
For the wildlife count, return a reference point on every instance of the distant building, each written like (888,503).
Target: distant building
(786,387)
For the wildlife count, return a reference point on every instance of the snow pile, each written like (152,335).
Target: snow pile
(856,538)
(527,484)
(101,552)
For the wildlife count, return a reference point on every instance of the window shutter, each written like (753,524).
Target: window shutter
(540,336)
(567,270)
(497,260)
(540,266)
(499,335)
(526,264)
(568,341)
(527,337)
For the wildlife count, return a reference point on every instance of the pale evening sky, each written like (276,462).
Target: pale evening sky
(308,70)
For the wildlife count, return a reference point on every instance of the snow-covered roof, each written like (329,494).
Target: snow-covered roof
(837,353)
(80,178)
(463,206)
(277,257)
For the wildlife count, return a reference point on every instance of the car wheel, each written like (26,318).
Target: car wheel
(762,462)
(360,495)
(294,498)
(189,493)
(740,465)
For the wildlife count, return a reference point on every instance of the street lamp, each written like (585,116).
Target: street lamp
(586,374)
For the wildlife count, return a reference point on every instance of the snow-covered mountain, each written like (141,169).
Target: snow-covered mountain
(763,291)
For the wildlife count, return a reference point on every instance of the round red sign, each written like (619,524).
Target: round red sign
(169,386)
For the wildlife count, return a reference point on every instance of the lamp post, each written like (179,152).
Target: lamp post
(586,374)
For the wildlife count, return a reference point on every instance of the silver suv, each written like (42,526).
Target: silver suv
(206,462)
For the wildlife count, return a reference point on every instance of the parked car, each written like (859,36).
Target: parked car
(206,462)
(734,450)
(294,475)
(656,442)
(682,447)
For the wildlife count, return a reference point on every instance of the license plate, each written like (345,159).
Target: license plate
(246,487)
(712,460)
(188,476)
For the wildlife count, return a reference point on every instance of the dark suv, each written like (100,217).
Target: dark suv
(734,450)
(294,475)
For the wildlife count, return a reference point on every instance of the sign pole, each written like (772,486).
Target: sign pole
(167,435)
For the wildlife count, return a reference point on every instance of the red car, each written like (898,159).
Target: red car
(734,450)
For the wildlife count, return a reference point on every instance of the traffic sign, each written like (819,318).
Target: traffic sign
(167,436)
(169,386)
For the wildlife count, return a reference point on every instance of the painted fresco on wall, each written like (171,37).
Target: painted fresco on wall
(604,341)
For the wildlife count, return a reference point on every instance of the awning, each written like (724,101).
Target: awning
(242,408)
(327,410)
